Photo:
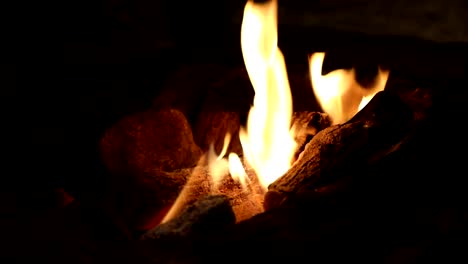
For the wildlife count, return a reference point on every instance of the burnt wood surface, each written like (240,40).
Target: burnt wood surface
(344,150)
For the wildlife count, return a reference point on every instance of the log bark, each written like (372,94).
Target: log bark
(343,150)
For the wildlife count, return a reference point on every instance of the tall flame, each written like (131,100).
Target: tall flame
(268,142)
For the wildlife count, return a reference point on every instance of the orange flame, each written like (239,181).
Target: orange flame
(338,92)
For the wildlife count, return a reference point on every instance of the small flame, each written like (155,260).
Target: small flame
(338,92)
(220,167)
(237,170)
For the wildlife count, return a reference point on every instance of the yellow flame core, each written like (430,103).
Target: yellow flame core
(267,142)
(338,92)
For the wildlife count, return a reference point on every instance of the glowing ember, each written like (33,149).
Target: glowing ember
(338,93)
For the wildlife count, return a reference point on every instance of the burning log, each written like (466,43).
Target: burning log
(207,214)
(246,198)
(334,154)
(306,125)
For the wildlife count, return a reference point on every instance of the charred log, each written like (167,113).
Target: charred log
(208,214)
(306,125)
(343,150)
(146,172)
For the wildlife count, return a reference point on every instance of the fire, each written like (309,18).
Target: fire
(268,139)
(338,93)
(268,142)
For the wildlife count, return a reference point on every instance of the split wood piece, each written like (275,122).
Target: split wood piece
(207,214)
(342,150)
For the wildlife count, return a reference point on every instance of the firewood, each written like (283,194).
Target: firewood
(307,124)
(207,214)
(342,150)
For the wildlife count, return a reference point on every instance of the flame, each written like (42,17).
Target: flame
(237,170)
(338,92)
(267,142)
(220,167)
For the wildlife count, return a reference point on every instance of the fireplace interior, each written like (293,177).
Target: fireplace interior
(110,105)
